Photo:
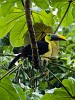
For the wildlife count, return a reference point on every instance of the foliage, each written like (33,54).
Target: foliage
(60,93)
(7,91)
(25,83)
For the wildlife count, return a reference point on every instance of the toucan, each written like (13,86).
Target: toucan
(44,46)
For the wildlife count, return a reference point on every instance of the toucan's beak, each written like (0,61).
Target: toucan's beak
(57,37)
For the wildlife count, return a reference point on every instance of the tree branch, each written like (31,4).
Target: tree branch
(35,54)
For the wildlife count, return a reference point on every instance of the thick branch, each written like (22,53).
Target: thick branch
(35,54)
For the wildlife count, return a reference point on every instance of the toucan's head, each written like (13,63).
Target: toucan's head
(54,37)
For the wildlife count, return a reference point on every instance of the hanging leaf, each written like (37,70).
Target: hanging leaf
(40,31)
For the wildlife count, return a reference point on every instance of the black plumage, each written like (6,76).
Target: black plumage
(27,51)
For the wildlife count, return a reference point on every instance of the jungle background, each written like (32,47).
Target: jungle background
(58,74)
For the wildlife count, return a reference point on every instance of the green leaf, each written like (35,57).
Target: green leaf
(70,85)
(7,7)
(47,96)
(41,3)
(7,91)
(11,5)
(68,18)
(61,93)
(43,85)
(62,7)
(73,12)
(4,30)
(19,5)
(59,0)
(21,93)
(1,1)
(17,32)
(46,18)
(69,47)
(70,34)
(36,18)
(42,16)
(7,23)
(58,3)
(11,1)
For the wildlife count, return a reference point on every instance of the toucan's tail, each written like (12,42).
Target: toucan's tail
(14,60)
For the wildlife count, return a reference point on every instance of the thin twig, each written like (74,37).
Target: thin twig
(40,76)
(61,84)
(10,71)
(6,55)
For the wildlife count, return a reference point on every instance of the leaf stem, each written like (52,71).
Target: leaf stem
(10,71)
(61,84)
(6,55)
(70,1)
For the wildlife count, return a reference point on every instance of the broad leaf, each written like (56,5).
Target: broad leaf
(36,18)
(21,93)
(41,3)
(47,96)
(7,91)
(70,85)
(73,12)
(46,18)
(7,23)
(68,18)
(9,9)
(17,33)
(61,93)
